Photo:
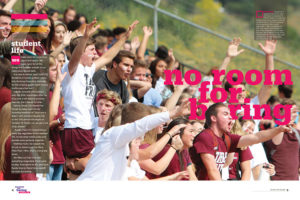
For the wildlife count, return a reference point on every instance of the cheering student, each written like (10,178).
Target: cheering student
(240,168)
(157,67)
(283,149)
(171,159)
(212,145)
(260,161)
(134,172)
(61,38)
(78,90)
(55,125)
(106,102)
(108,161)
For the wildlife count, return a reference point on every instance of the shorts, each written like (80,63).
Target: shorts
(77,142)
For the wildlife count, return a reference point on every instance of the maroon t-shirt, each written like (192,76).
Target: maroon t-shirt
(174,165)
(38,50)
(285,157)
(7,175)
(5,96)
(241,156)
(204,143)
(55,137)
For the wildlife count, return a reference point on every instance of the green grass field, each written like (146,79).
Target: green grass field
(190,45)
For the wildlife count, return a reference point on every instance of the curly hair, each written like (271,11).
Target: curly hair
(110,96)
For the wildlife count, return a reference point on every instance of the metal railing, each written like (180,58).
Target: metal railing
(157,9)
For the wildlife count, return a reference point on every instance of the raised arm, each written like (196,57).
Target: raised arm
(178,89)
(54,103)
(141,51)
(269,50)
(125,133)
(157,147)
(79,49)
(38,6)
(261,136)
(172,60)
(158,167)
(278,138)
(135,43)
(10,5)
(63,45)
(232,52)
(211,166)
(113,51)
(141,86)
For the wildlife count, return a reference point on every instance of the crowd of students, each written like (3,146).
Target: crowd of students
(111,116)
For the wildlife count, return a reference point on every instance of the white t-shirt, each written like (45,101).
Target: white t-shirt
(163,90)
(78,92)
(257,150)
(259,155)
(108,161)
(132,99)
(98,131)
(134,170)
(210,86)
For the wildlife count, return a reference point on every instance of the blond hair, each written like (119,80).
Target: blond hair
(52,61)
(109,95)
(151,136)
(114,118)
(5,132)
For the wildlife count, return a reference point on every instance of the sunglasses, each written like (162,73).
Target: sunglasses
(147,75)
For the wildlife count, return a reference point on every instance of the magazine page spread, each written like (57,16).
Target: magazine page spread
(96,96)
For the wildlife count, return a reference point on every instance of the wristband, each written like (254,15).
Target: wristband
(169,135)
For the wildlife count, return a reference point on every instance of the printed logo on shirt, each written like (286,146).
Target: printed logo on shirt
(89,87)
(220,159)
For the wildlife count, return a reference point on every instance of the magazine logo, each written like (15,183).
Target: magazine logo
(260,13)
(21,190)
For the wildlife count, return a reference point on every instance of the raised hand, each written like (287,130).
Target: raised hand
(131,28)
(135,43)
(294,114)
(147,31)
(59,77)
(91,28)
(269,47)
(286,129)
(181,110)
(39,5)
(177,142)
(176,129)
(67,38)
(232,50)
(171,55)
(182,87)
